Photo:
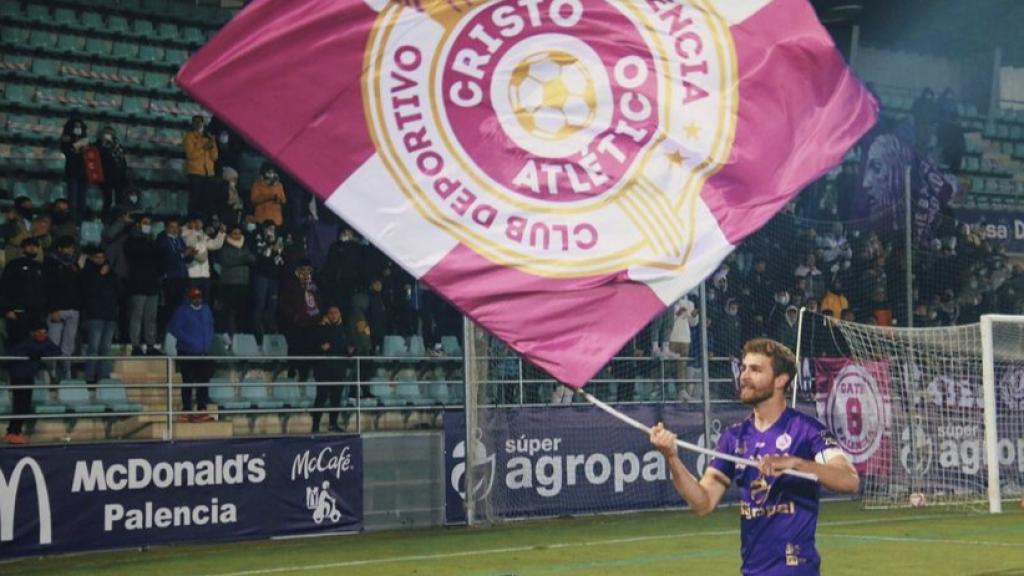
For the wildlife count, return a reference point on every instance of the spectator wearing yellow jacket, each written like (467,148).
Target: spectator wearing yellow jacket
(267,196)
(200,166)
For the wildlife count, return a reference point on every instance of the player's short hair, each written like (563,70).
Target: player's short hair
(783,360)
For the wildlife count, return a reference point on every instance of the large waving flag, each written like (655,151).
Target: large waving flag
(560,170)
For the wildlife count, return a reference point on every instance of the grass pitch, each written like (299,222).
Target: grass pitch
(851,542)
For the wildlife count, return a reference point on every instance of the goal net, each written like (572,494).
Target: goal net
(930,416)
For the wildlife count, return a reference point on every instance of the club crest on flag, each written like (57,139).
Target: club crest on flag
(522,131)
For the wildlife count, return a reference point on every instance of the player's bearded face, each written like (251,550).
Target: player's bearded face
(757,381)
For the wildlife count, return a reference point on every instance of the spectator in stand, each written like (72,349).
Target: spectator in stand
(73,141)
(266,278)
(329,339)
(17,227)
(35,345)
(99,312)
(192,325)
(267,196)
(61,221)
(321,235)
(143,286)
(880,307)
(200,243)
(377,313)
(815,277)
(174,259)
(115,169)
(834,302)
(728,332)
(785,331)
(926,115)
(685,319)
(40,230)
(236,261)
(340,275)
(200,166)
(229,146)
(233,207)
(114,236)
(63,301)
(300,311)
(23,291)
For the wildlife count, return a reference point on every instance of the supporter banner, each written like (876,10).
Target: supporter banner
(560,171)
(998,226)
(71,498)
(853,401)
(546,461)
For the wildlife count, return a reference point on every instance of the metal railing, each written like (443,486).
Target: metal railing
(369,390)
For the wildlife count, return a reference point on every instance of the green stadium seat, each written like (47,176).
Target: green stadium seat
(151,53)
(76,397)
(225,394)
(93,20)
(194,35)
(42,404)
(42,39)
(126,50)
(37,12)
(408,393)
(275,345)
(135,105)
(255,392)
(220,347)
(245,345)
(170,345)
(98,46)
(10,9)
(71,43)
(111,392)
(46,67)
(117,23)
(15,35)
(156,6)
(143,27)
(65,17)
(167,31)
(130,76)
(157,80)
(5,400)
(19,93)
(176,56)
(289,392)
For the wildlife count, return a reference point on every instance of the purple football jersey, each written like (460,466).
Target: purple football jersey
(779,514)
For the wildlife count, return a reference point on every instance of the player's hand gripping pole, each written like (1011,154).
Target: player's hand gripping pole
(687,445)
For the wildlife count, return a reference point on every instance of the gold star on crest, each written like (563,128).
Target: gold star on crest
(692,131)
(676,157)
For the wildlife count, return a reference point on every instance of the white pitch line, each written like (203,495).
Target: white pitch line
(905,539)
(489,551)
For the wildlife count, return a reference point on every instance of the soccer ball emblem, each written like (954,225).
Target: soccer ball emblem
(917,500)
(552,95)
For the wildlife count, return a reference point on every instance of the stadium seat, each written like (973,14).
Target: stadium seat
(224,393)
(111,392)
(289,392)
(71,43)
(135,105)
(254,391)
(394,346)
(117,23)
(150,53)
(37,12)
(93,20)
(245,345)
(275,345)
(438,392)
(41,402)
(15,35)
(409,394)
(170,345)
(450,346)
(98,46)
(383,391)
(194,35)
(220,345)
(143,27)
(10,9)
(66,17)
(167,31)
(46,67)
(42,39)
(416,347)
(76,397)
(176,56)
(5,400)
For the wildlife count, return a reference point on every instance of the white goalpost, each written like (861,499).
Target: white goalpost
(931,416)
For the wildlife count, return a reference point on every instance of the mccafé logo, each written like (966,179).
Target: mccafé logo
(9,499)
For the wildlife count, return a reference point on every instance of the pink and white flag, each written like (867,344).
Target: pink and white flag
(560,170)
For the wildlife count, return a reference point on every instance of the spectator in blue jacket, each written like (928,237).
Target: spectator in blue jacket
(174,259)
(192,326)
(23,373)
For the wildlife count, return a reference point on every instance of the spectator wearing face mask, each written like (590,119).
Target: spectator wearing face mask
(341,274)
(61,221)
(23,291)
(266,277)
(200,165)
(201,243)
(17,226)
(267,196)
(99,311)
(63,301)
(229,146)
(236,260)
(300,311)
(174,259)
(115,168)
(143,286)
(73,141)
(785,330)
(233,206)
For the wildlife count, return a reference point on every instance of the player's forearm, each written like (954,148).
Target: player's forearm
(689,488)
(835,478)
